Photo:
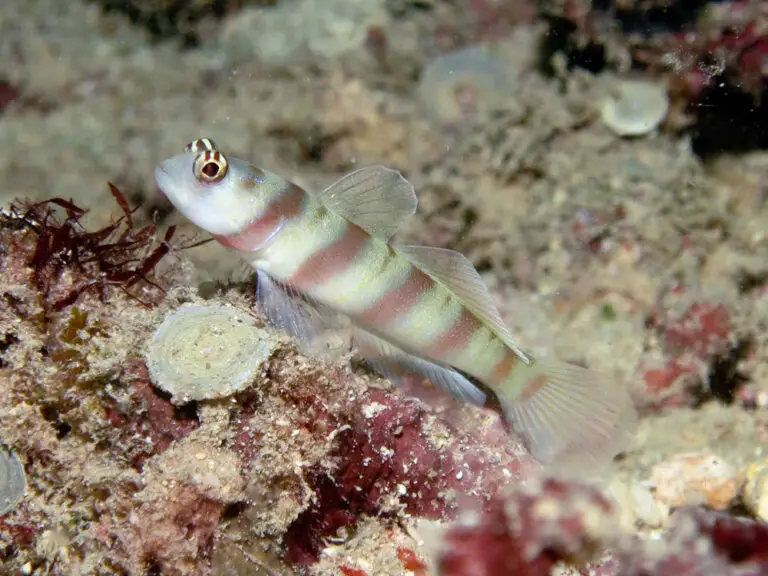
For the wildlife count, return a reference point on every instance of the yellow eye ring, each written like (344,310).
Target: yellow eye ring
(210,166)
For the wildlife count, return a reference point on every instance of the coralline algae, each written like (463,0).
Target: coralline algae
(205,352)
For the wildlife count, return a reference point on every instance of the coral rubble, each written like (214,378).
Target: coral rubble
(299,459)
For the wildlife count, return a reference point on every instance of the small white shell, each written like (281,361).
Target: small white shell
(205,352)
(635,107)
(13,481)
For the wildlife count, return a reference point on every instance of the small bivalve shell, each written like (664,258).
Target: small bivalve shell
(13,481)
(635,107)
(755,494)
(206,352)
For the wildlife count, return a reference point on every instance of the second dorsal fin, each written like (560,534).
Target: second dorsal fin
(458,274)
(376,198)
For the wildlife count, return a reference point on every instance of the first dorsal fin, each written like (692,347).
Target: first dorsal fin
(376,198)
(458,274)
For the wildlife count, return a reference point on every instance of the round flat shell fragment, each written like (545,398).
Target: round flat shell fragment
(465,85)
(13,481)
(206,352)
(635,107)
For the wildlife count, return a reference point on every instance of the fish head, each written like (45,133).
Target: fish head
(221,195)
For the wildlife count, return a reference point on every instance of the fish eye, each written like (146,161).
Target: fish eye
(210,166)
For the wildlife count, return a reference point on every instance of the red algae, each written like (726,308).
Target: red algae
(347,571)
(66,260)
(385,455)
(693,335)
(17,530)
(170,535)
(8,94)
(149,414)
(703,329)
(667,385)
(529,533)
(700,542)
(568,524)
(411,561)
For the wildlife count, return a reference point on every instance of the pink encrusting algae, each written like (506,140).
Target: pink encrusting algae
(538,529)
(415,309)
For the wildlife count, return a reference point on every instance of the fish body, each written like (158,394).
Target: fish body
(415,309)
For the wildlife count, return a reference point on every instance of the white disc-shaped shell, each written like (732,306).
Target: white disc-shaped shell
(206,352)
(635,107)
(13,481)
(464,85)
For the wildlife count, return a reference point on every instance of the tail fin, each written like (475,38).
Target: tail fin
(564,412)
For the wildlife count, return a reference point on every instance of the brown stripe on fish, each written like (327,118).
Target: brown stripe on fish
(401,300)
(504,367)
(531,387)
(331,260)
(286,206)
(457,335)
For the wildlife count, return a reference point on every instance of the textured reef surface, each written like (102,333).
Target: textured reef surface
(602,164)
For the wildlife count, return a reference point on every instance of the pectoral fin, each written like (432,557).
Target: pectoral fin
(310,323)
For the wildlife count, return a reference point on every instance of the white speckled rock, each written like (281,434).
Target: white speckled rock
(638,506)
(692,479)
(755,494)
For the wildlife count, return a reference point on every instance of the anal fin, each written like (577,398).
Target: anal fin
(394,362)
